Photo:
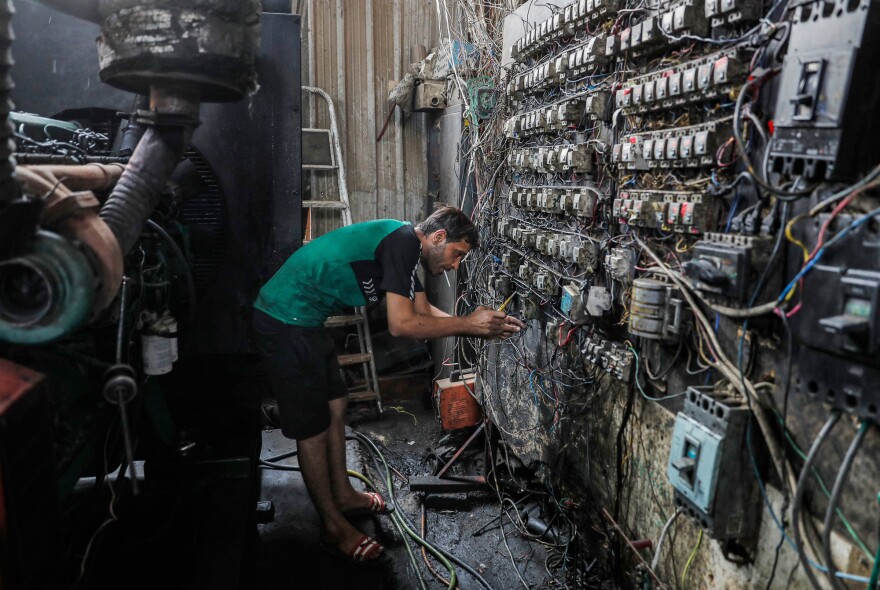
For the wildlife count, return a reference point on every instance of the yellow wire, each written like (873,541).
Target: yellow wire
(793,239)
(798,243)
(400,410)
(691,558)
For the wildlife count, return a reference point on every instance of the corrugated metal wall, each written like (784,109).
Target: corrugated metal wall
(353,49)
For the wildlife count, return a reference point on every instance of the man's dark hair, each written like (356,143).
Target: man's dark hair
(457,225)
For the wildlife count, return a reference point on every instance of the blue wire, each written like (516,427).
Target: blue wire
(639,385)
(855,224)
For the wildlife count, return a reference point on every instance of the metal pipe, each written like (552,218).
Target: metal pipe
(87,177)
(8,187)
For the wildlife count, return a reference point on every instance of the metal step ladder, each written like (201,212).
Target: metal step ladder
(365,357)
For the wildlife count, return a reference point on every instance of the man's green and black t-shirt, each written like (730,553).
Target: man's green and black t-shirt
(349,267)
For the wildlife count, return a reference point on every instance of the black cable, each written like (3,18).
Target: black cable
(190,283)
(839,483)
(275,466)
(775,561)
(740,144)
(799,494)
(280,457)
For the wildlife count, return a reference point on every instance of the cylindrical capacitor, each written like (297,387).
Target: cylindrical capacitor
(157,355)
(159,345)
(647,311)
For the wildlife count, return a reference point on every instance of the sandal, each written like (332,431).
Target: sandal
(377,506)
(367,551)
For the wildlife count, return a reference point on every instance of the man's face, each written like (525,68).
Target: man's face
(441,255)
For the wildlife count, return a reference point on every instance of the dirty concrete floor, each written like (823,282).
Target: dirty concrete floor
(288,553)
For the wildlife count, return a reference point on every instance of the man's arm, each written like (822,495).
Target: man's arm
(405,321)
(422,305)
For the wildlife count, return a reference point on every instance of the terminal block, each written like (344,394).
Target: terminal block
(575,157)
(681,147)
(685,17)
(611,357)
(678,211)
(584,13)
(711,76)
(727,12)
(619,264)
(545,283)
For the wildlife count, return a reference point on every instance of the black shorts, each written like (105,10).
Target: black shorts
(303,373)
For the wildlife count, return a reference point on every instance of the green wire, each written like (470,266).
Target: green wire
(691,558)
(875,571)
(453,579)
(839,511)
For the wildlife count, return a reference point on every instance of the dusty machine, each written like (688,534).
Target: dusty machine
(149,184)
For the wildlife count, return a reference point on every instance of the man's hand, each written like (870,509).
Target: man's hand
(486,322)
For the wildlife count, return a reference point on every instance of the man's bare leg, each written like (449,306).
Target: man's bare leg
(314,461)
(345,495)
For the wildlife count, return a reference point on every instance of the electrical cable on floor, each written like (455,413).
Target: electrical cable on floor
(799,494)
(403,530)
(396,515)
(376,456)
(839,483)
(424,531)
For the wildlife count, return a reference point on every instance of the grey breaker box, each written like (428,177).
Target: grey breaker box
(709,466)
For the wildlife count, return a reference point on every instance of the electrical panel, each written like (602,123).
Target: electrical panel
(825,117)
(709,468)
(681,181)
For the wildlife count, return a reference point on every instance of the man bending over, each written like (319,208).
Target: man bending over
(354,266)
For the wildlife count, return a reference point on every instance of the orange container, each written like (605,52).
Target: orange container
(455,406)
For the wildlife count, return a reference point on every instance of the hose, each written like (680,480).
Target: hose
(139,188)
(8,186)
(442,556)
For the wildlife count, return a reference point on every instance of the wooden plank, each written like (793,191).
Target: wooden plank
(360,139)
(389,201)
(419,29)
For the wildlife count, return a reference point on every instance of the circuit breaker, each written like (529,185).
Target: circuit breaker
(709,466)
(825,123)
(727,264)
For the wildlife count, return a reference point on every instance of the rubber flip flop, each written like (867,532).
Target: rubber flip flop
(377,507)
(367,552)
